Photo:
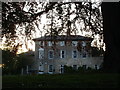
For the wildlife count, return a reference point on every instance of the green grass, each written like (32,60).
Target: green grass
(62,81)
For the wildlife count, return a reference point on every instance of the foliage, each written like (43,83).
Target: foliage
(97,52)
(8,59)
(82,69)
(13,63)
(69,69)
(57,13)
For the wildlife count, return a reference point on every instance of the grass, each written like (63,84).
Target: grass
(96,80)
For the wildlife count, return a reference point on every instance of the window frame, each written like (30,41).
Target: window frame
(41,43)
(84,55)
(40,52)
(83,43)
(74,43)
(50,43)
(49,54)
(50,71)
(61,55)
(62,68)
(74,54)
(61,43)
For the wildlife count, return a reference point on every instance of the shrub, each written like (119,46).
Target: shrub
(69,69)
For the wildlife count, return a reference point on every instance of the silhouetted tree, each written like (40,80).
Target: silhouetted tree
(9,61)
(111,17)
(13,14)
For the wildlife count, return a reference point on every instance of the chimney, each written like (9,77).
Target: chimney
(69,28)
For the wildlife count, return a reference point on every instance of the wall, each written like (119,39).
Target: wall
(68,60)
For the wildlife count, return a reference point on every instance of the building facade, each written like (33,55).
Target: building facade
(52,53)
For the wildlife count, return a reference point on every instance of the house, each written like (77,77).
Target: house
(53,52)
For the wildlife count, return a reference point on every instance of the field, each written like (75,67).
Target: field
(96,80)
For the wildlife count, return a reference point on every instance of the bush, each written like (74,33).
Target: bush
(69,69)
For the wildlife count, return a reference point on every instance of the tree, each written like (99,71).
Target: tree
(24,60)
(13,64)
(111,17)
(9,61)
(13,14)
(96,52)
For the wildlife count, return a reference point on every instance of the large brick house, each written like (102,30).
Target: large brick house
(52,53)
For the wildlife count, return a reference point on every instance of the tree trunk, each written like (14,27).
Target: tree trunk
(111,31)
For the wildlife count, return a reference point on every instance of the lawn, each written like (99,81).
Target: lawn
(96,80)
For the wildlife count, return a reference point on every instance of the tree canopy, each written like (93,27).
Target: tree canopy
(63,17)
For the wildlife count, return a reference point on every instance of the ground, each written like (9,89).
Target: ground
(92,80)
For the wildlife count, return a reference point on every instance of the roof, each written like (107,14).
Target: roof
(63,37)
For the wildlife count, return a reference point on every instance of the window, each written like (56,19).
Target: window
(49,43)
(50,68)
(74,43)
(41,43)
(50,54)
(75,67)
(96,67)
(41,68)
(74,54)
(62,54)
(62,69)
(62,43)
(41,53)
(84,55)
(83,43)
(84,66)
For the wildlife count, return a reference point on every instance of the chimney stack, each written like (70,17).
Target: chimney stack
(69,28)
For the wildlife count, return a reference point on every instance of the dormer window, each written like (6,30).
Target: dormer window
(49,43)
(41,43)
(62,43)
(74,43)
(83,43)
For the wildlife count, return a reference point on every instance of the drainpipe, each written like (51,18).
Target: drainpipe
(22,71)
(27,69)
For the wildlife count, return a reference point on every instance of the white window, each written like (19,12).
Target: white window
(75,67)
(83,43)
(49,43)
(62,43)
(74,43)
(61,68)
(74,54)
(62,54)
(50,54)
(50,68)
(41,43)
(41,70)
(41,53)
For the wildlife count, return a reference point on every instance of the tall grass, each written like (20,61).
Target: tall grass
(62,81)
